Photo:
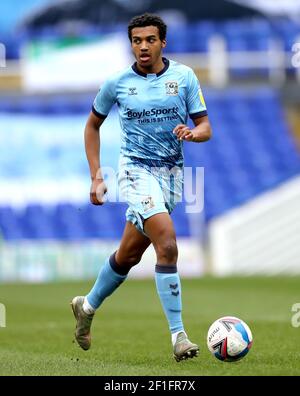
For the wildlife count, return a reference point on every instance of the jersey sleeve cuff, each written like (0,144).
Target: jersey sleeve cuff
(97,114)
(199,114)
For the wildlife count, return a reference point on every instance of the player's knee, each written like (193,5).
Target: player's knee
(167,251)
(134,260)
(130,260)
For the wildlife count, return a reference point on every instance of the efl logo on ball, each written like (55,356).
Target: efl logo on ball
(229,339)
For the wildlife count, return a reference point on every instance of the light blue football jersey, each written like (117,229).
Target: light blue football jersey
(150,106)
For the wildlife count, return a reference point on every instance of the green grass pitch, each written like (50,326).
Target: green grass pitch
(130,335)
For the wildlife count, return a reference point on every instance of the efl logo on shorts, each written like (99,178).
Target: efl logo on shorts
(171,88)
(2,316)
(148,204)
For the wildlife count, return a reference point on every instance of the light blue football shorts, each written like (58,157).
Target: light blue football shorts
(148,189)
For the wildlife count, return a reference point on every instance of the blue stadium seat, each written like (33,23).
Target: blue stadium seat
(10,227)
(178,40)
(36,223)
(199,35)
(181,221)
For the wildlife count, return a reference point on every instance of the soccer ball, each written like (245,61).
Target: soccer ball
(229,339)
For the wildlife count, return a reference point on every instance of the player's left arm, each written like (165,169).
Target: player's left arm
(200,133)
(196,108)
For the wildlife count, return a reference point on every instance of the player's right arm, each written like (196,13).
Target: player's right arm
(92,149)
(103,102)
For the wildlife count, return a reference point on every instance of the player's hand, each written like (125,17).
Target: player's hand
(98,190)
(183,132)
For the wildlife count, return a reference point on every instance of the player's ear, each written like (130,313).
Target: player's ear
(164,43)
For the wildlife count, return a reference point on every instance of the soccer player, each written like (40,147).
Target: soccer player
(154,97)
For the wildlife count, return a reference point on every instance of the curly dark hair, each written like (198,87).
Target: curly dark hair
(148,20)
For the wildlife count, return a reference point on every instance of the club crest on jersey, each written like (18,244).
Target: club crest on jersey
(171,88)
(148,203)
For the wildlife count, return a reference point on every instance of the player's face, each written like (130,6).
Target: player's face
(147,46)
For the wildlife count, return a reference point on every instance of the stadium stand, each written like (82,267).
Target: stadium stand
(252,151)
(243,35)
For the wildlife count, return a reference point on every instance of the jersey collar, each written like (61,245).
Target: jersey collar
(137,71)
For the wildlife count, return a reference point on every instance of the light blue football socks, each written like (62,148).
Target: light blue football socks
(168,286)
(110,277)
(169,291)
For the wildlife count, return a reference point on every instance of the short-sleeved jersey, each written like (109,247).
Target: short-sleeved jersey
(150,106)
